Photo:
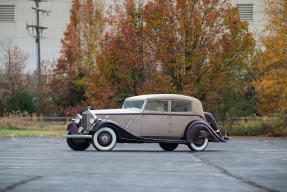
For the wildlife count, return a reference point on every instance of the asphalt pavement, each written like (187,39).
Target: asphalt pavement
(47,164)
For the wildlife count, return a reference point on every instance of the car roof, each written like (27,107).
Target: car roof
(196,104)
(161,96)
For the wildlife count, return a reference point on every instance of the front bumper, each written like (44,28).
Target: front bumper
(78,136)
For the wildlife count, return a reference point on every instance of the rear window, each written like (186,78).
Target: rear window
(180,106)
(157,105)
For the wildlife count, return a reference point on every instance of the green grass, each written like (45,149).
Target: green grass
(35,133)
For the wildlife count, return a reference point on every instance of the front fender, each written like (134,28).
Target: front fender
(195,127)
(72,128)
(123,133)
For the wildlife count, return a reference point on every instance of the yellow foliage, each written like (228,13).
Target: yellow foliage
(271,85)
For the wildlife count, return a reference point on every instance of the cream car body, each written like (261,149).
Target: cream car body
(167,119)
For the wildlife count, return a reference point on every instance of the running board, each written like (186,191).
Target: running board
(156,140)
(78,136)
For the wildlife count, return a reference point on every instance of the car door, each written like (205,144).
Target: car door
(155,121)
(180,117)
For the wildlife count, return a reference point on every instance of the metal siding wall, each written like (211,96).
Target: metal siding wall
(259,19)
(17,34)
(57,21)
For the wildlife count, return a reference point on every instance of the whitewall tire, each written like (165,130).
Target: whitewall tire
(198,145)
(104,139)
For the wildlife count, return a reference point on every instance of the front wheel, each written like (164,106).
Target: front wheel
(168,146)
(104,139)
(199,144)
(78,144)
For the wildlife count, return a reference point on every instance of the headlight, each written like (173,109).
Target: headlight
(93,119)
(78,119)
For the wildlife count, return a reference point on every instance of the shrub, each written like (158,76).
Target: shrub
(22,101)
(274,125)
(254,129)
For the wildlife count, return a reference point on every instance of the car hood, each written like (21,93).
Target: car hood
(116,111)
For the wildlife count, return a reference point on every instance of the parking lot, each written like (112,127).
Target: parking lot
(47,164)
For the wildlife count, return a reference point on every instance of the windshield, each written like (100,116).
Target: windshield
(133,104)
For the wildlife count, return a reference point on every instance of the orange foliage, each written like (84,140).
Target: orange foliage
(79,47)
(195,48)
(120,70)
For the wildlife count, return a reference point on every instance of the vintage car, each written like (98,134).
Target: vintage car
(167,119)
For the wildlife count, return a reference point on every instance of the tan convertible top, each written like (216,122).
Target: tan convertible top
(196,104)
(161,96)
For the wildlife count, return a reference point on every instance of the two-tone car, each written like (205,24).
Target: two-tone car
(166,119)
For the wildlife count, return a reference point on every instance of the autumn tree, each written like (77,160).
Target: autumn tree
(79,47)
(120,69)
(13,71)
(197,48)
(202,46)
(16,87)
(61,90)
(92,27)
(271,60)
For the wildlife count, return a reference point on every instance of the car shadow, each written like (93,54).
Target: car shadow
(145,151)
(152,151)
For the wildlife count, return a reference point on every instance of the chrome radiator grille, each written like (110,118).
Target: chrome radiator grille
(86,120)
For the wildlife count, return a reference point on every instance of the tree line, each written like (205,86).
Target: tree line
(198,48)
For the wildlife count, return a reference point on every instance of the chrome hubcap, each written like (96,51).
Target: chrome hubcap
(104,138)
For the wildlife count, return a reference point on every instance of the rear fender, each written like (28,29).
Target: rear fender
(195,127)
(212,122)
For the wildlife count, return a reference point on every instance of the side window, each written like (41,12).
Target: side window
(157,105)
(180,106)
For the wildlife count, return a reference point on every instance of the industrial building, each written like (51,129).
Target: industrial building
(15,15)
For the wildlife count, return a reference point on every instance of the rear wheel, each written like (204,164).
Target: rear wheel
(104,139)
(78,144)
(168,146)
(199,143)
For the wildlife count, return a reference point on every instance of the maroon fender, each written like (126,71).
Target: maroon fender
(72,128)
(212,122)
(194,130)
(123,133)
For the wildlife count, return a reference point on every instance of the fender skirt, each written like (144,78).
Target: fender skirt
(199,127)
